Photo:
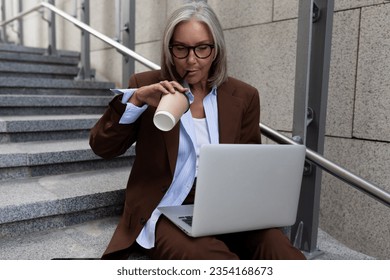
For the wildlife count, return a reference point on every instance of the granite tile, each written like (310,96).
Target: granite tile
(355,219)
(285,9)
(342,76)
(233,14)
(153,13)
(372,104)
(352,4)
(269,66)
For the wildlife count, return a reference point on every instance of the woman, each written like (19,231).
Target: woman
(222,110)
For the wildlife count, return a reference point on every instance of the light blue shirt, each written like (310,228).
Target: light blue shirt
(184,176)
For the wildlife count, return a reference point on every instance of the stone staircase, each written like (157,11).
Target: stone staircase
(49,177)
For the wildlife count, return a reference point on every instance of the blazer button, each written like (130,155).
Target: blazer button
(142,221)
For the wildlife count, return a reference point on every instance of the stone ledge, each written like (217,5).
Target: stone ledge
(48,152)
(10,100)
(13,48)
(12,124)
(46,198)
(39,58)
(18,68)
(58,84)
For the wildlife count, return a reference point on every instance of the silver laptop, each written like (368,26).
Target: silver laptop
(242,187)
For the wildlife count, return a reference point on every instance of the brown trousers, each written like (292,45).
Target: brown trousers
(269,244)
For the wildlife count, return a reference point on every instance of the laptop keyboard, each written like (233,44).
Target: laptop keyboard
(186,219)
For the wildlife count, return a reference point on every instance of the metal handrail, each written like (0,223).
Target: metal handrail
(332,168)
(339,172)
(88,29)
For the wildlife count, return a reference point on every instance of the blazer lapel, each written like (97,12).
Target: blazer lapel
(229,113)
(172,144)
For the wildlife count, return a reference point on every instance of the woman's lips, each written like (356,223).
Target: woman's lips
(189,72)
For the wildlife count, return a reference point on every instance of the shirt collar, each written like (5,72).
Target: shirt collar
(190,95)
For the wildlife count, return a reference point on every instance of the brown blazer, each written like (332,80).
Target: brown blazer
(156,151)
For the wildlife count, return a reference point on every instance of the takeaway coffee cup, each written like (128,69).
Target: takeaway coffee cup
(170,109)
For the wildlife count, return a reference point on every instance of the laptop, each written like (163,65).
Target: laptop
(242,187)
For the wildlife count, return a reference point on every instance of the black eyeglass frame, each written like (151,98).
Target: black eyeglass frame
(188,48)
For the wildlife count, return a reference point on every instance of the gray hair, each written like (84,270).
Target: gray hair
(202,12)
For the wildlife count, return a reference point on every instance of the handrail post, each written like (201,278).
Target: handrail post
(128,40)
(3,31)
(52,48)
(311,92)
(302,70)
(20,24)
(118,20)
(85,67)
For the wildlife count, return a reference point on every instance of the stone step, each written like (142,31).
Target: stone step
(11,52)
(32,70)
(41,158)
(46,123)
(12,105)
(13,48)
(39,58)
(45,127)
(32,205)
(28,86)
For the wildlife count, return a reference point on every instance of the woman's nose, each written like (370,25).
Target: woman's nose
(191,56)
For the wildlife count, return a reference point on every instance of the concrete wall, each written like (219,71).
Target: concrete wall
(261,39)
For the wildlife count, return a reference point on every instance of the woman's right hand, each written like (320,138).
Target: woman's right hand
(152,94)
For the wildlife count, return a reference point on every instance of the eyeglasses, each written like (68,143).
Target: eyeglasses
(201,51)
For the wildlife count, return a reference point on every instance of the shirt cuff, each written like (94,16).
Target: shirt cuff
(132,112)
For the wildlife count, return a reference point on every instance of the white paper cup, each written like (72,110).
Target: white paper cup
(170,109)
